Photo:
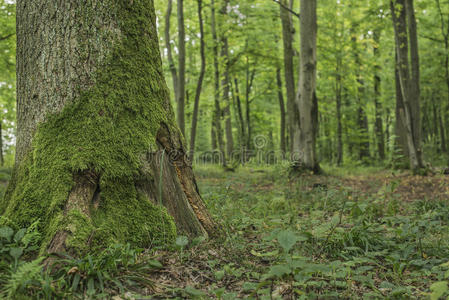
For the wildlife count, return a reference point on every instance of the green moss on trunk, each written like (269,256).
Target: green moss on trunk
(107,131)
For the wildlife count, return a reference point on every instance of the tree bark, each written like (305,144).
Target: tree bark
(171,62)
(306,98)
(199,84)
(98,150)
(180,107)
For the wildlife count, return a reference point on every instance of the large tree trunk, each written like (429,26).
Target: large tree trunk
(199,84)
(410,112)
(98,151)
(288,32)
(306,99)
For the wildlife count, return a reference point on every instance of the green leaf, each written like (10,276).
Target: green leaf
(219,275)
(287,239)
(155,263)
(6,232)
(279,271)
(16,252)
(90,287)
(438,289)
(76,281)
(181,241)
(194,292)
(19,235)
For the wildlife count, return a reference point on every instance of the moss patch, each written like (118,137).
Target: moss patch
(105,131)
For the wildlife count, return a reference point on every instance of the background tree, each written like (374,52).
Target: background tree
(408,75)
(306,97)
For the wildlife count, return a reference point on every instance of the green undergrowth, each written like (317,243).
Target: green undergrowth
(117,270)
(283,239)
(298,239)
(105,133)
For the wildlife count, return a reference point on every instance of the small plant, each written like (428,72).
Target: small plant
(180,243)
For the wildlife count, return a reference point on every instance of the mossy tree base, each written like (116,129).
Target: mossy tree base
(99,162)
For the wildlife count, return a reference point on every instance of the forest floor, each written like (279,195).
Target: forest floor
(373,234)
(364,233)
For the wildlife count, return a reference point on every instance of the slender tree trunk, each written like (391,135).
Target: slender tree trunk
(339,116)
(378,106)
(171,62)
(445,34)
(306,98)
(200,82)
(442,132)
(217,109)
(225,83)
(182,69)
(97,158)
(240,112)
(250,75)
(282,111)
(415,75)
(399,15)
(288,32)
(401,134)
(362,120)
(2,159)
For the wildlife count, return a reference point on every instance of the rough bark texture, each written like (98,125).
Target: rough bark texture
(289,72)
(98,148)
(199,84)
(306,99)
(409,116)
